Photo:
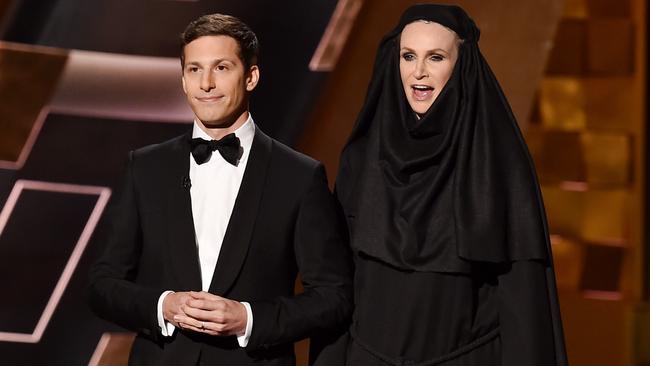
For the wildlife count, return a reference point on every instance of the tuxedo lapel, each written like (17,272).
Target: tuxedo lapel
(180,224)
(242,221)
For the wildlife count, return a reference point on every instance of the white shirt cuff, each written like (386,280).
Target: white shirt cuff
(243,339)
(166,328)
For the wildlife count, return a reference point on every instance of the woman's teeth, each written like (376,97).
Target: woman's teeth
(422,92)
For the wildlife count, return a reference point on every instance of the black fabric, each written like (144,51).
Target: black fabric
(457,184)
(446,221)
(422,316)
(229,147)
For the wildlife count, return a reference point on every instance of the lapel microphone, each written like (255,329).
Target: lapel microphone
(187,183)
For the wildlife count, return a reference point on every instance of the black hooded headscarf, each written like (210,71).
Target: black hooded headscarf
(454,186)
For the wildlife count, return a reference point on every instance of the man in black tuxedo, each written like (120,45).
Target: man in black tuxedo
(203,248)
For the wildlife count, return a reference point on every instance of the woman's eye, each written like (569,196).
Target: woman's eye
(408,57)
(437,58)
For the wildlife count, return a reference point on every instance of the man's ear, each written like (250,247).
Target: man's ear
(184,86)
(252,78)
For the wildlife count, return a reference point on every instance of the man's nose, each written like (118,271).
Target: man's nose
(207,81)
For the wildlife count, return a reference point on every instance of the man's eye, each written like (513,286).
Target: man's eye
(193,69)
(222,67)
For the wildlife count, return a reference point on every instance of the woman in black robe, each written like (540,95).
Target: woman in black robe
(447,225)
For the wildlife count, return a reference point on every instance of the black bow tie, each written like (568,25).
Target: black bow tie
(228,147)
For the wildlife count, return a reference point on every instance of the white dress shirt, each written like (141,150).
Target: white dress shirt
(214,188)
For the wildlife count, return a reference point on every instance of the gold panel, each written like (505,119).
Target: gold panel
(610,45)
(597,216)
(640,319)
(568,56)
(608,8)
(565,210)
(610,103)
(595,331)
(602,268)
(605,216)
(561,158)
(576,104)
(562,104)
(608,158)
(575,9)
(568,256)
(534,136)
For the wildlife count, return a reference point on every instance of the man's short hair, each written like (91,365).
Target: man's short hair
(223,25)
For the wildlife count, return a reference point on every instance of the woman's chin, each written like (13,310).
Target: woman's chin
(420,110)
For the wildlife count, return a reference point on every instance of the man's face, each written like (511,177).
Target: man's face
(215,82)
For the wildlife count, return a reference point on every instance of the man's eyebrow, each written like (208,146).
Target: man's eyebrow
(211,62)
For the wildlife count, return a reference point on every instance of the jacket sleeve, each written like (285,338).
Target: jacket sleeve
(529,316)
(325,267)
(113,294)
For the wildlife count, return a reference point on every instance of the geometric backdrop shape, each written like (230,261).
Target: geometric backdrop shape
(44,230)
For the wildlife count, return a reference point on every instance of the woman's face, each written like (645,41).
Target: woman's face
(428,52)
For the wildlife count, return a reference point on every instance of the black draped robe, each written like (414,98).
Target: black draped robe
(447,225)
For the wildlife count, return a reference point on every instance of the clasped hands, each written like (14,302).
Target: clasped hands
(205,313)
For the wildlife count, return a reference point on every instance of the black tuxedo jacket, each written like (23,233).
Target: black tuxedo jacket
(284,221)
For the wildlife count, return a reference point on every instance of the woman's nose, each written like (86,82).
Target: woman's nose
(420,70)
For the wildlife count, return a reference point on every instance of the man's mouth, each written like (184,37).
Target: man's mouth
(422,92)
(210,99)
